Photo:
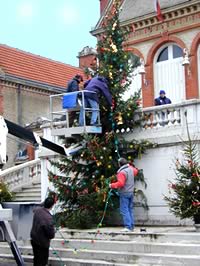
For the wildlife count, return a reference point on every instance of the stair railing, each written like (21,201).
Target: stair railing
(21,175)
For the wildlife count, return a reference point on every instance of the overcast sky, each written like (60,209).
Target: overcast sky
(57,29)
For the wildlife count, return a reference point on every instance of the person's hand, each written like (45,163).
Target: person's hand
(109,185)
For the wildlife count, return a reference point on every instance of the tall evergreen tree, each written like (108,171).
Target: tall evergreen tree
(82,180)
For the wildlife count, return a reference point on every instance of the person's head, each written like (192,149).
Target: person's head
(122,161)
(49,202)
(79,78)
(162,93)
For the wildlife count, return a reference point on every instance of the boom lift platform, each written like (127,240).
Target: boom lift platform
(69,103)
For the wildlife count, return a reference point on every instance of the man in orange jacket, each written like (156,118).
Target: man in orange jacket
(125,186)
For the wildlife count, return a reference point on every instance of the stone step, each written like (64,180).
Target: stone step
(33,184)
(151,235)
(30,189)
(7,261)
(27,199)
(28,193)
(54,261)
(129,246)
(124,246)
(115,257)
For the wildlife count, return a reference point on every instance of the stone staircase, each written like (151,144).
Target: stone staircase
(29,193)
(24,181)
(164,246)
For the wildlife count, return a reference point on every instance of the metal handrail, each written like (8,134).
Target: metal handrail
(66,111)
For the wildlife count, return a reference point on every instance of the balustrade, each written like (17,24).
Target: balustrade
(167,115)
(167,121)
(160,117)
(23,174)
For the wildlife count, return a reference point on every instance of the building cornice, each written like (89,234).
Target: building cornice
(172,26)
(169,14)
(29,85)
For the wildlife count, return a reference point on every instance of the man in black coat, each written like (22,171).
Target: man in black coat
(72,86)
(42,232)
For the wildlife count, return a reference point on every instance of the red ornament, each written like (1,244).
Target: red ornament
(55,198)
(113,103)
(194,174)
(195,203)
(173,186)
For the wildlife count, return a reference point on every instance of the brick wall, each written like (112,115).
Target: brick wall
(103,4)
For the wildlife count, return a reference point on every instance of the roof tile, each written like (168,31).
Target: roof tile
(33,67)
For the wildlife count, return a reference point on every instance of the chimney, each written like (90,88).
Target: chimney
(103,4)
(87,58)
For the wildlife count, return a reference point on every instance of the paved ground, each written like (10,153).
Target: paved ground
(7,263)
(148,229)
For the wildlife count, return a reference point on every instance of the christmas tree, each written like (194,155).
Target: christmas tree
(184,199)
(82,180)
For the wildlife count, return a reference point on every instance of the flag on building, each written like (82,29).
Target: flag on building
(158,10)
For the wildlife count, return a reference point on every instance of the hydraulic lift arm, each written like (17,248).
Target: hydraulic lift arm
(25,134)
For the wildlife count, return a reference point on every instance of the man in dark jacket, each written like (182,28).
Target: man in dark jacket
(125,186)
(73,85)
(94,87)
(42,232)
(162,99)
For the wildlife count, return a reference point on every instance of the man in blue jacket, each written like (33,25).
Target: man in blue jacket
(162,99)
(95,87)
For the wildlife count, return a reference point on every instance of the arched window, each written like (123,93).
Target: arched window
(169,72)
(170,52)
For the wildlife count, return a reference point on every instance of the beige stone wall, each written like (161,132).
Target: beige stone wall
(34,104)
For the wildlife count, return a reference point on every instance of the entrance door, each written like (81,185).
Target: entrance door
(169,73)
